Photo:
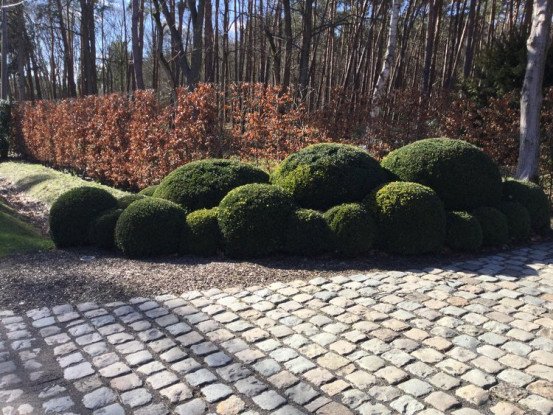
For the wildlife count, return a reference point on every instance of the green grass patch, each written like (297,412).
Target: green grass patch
(45,184)
(17,236)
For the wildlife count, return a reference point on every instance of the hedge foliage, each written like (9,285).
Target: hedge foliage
(464,232)
(461,174)
(254,218)
(101,232)
(307,233)
(203,236)
(410,218)
(149,190)
(518,219)
(533,198)
(495,226)
(324,175)
(203,184)
(353,229)
(125,201)
(5,119)
(73,212)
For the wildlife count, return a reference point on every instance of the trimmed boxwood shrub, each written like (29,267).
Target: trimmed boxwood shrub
(461,174)
(254,218)
(102,230)
(324,175)
(533,198)
(495,227)
(518,220)
(73,212)
(464,232)
(125,201)
(203,236)
(353,229)
(203,184)
(410,218)
(307,234)
(148,191)
(150,227)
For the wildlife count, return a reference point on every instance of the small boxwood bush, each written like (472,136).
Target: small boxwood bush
(102,229)
(253,219)
(125,201)
(518,220)
(73,212)
(464,232)
(461,174)
(150,227)
(533,198)
(324,175)
(495,227)
(203,236)
(148,191)
(353,229)
(203,184)
(410,218)
(307,234)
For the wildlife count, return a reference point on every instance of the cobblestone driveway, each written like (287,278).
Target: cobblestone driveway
(475,338)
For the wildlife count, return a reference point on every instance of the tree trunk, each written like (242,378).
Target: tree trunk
(137,39)
(88,49)
(532,94)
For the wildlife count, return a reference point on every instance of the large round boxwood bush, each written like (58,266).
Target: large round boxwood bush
(253,219)
(307,233)
(102,230)
(410,218)
(533,198)
(495,227)
(203,236)
(324,175)
(518,220)
(463,176)
(353,229)
(463,232)
(125,201)
(150,227)
(73,212)
(203,184)
(148,191)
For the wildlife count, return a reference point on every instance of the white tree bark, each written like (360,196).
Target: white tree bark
(532,95)
(389,58)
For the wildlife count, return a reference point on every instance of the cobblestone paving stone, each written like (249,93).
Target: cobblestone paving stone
(472,338)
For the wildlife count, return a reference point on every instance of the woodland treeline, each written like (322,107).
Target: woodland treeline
(323,50)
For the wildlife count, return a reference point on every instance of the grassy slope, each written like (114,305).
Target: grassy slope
(43,183)
(17,236)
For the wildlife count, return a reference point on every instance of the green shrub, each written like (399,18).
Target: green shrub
(150,227)
(518,220)
(495,227)
(73,212)
(307,234)
(462,175)
(148,191)
(324,175)
(102,230)
(253,219)
(410,218)
(464,232)
(352,227)
(5,120)
(203,184)
(203,235)
(533,198)
(125,201)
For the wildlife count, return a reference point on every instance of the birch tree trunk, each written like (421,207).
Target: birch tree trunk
(389,58)
(532,94)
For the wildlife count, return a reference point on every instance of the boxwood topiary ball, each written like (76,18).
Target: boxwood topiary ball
(353,229)
(307,233)
(125,201)
(102,230)
(533,198)
(462,175)
(464,232)
(203,235)
(150,227)
(495,227)
(518,219)
(148,191)
(73,212)
(253,219)
(203,184)
(324,175)
(410,218)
